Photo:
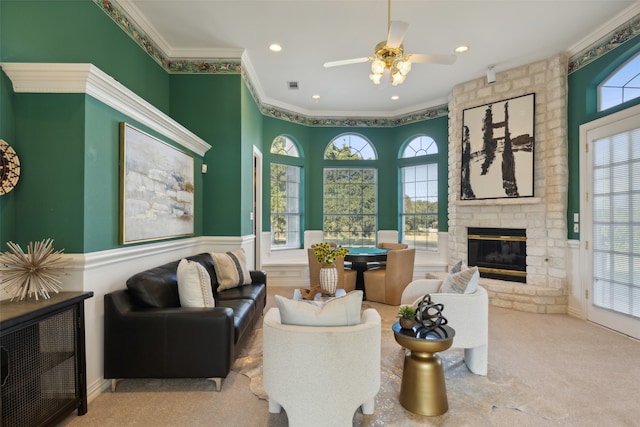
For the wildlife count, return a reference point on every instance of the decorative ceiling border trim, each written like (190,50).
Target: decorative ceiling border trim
(126,24)
(35,77)
(290,116)
(227,66)
(616,38)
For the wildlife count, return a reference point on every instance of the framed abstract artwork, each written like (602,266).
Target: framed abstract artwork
(156,188)
(497,149)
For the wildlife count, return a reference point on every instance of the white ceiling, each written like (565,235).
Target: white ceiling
(502,33)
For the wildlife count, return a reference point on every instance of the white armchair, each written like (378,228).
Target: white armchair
(321,375)
(468,314)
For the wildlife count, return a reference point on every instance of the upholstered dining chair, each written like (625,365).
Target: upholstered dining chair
(390,246)
(386,284)
(468,314)
(346,278)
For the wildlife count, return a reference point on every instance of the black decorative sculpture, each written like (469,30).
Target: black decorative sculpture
(429,317)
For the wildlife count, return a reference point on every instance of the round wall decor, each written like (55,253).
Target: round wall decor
(9,167)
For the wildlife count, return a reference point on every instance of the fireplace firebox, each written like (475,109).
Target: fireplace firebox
(499,253)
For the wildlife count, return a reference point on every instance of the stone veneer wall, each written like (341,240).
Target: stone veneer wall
(544,215)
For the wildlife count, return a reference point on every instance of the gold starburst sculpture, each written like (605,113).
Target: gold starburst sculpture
(36,272)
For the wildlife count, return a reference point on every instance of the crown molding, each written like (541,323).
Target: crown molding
(604,39)
(605,30)
(90,80)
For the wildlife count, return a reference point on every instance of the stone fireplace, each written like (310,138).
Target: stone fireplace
(543,217)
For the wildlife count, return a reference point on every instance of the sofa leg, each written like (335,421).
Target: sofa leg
(114,384)
(218,383)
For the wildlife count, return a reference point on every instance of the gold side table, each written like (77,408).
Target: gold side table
(423,390)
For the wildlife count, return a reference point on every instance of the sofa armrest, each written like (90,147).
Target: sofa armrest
(258,277)
(177,342)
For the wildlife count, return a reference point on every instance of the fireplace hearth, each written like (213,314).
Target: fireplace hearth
(499,253)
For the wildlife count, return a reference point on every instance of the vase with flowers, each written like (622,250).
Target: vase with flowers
(327,254)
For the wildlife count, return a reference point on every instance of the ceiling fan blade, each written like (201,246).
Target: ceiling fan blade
(397,31)
(345,62)
(426,58)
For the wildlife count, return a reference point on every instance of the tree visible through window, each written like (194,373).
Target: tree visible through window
(285,196)
(419,211)
(349,195)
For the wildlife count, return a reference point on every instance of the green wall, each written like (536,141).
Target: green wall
(251,135)
(69,143)
(387,143)
(50,144)
(78,31)
(582,108)
(210,106)
(7,132)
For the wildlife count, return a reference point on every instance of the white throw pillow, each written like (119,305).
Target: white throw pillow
(194,285)
(464,282)
(341,311)
(231,269)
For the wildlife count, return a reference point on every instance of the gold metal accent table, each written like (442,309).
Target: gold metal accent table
(423,390)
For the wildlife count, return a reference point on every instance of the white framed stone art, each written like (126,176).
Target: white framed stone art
(498,149)
(156,188)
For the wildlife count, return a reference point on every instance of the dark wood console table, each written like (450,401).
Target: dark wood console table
(42,359)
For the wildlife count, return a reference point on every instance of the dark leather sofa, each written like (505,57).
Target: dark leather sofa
(148,335)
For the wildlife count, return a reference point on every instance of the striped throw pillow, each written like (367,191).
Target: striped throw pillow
(464,282)
(231,269)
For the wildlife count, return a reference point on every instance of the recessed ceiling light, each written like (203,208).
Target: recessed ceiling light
(395,97)
(462,49)
(316,97)
(275,47)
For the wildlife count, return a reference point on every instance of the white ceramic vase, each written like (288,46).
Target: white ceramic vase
(329,279)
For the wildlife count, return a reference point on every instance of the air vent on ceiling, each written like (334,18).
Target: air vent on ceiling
(293,85)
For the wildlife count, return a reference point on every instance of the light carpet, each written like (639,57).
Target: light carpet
(472,398)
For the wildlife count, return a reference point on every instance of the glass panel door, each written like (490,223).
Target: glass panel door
(611,233)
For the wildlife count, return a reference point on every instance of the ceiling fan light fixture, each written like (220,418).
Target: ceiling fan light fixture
(403,66)
(375,78)
(377,66)
(396,78)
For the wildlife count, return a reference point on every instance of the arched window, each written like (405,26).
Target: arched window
(285,196)
(621,86)
(419,207)
(350,193)
(349,146)
(420,146)
(284,146)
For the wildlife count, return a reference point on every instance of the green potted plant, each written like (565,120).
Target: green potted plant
(407,316)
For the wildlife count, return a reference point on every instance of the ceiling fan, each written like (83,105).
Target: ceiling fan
(389,55)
